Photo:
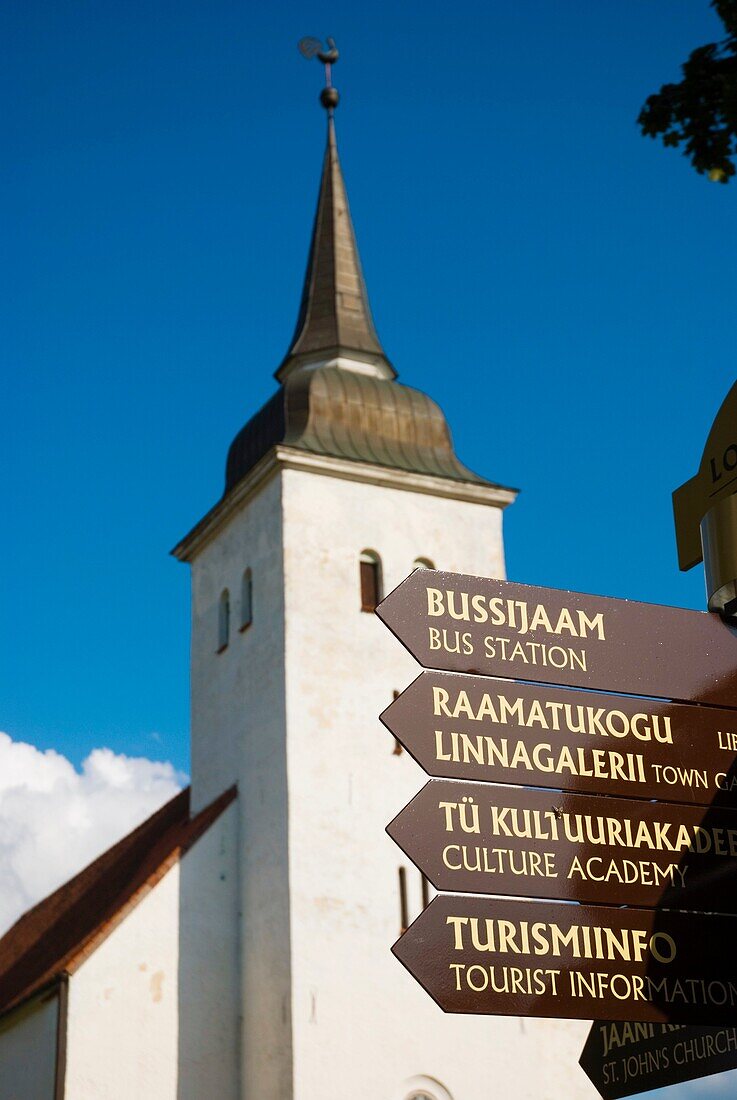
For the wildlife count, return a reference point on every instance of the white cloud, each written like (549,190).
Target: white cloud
(54,819)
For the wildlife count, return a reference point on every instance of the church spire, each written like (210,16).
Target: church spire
(334,319)
(339,400)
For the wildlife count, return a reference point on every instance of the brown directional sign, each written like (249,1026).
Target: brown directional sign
(528,958)
(622,1059)
(716,479)
(474,838)
(474,727)
(496,628)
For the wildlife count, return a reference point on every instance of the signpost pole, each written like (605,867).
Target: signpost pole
(719,545)
(705,513)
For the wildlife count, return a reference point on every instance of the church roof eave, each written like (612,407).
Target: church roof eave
(281,456)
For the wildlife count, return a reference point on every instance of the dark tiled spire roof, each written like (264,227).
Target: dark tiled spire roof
(334,316)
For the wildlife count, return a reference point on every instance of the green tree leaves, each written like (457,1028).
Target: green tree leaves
(700,113)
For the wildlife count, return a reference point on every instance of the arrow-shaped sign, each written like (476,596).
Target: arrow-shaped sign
(474,727)
(528,958)
(518,842)
(492,627)
(622,1059)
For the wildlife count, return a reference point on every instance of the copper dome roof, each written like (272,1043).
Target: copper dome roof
(333,411)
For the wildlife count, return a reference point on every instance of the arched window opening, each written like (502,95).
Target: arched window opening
(223,621)
(425,1088)
(246,600)
(422,563)
(370,575)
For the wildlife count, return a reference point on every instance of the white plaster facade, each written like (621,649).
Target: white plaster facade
(123,1006)
(239,735)
(152,1012)
(290,711)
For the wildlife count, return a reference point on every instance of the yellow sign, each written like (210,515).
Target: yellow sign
(716,479)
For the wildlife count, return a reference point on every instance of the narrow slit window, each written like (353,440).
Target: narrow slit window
(223,621)
(370,575)
(403,909)
(397,750)
(425,891)
(246,600)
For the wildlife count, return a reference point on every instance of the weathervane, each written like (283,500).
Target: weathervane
(313,47)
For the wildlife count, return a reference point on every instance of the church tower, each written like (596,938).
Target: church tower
(343,483)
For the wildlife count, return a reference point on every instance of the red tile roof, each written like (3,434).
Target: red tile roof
(58,934)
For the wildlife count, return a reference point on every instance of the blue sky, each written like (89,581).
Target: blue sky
(562,286)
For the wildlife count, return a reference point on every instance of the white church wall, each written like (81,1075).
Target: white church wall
(362,1026)
(238,734)
(154,1010)
(238,689)
(123,1004)
(28,1051)
(209,983)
